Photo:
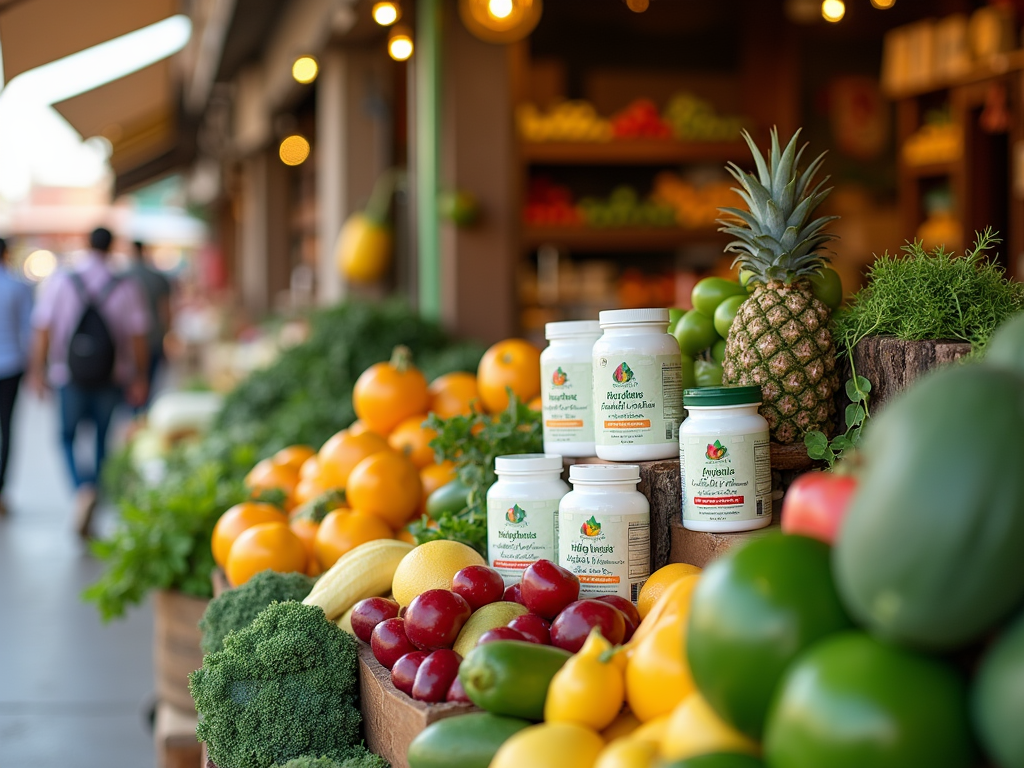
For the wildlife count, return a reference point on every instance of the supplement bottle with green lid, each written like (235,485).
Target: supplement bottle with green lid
(725,460)
(604,530)
(522,512)
(567,387)
(638,386)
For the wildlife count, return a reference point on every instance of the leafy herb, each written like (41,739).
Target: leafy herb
(933,295)
(473,442)
(819,447)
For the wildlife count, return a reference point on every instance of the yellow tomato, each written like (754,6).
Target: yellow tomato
(658,675)
(550,745)
(628,753)
(586,690)
(514,364)
(695,729)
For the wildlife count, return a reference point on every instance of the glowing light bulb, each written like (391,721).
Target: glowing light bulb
(883,5)
(305,69)
(39,265)
(385,13)
(833,10)
(500,9)
(294,150)
(400,47)
(638,6)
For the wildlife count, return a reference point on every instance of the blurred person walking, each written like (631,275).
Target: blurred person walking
(15,337)
(91,345)
(157,290)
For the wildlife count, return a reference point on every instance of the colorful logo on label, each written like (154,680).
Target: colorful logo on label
(716,451)
(516,514)
(622,374)
(591,527)
(559,377)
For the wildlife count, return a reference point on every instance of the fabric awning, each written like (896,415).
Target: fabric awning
(135,113)
(36,32)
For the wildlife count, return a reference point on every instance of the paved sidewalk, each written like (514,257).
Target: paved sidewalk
(74,693)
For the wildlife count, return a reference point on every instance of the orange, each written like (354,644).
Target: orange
(293,457)
(267,545)
(307,490)
(537,404)
(357,428)
(345,529)
(306,530)
(404,535)
(658,582)
(342,452)
(386,394)
(237,519)
(436,475)
(512,363)
(268,476)
(453,394)
(386,485)
(412,440)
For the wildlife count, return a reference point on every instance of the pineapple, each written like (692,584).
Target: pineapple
(781,339)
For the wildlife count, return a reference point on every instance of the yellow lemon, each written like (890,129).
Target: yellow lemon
(431,566)
(658,582)
(658,674)
(621,726)
(550,745)
(652,731)
(628,753)
(694,728)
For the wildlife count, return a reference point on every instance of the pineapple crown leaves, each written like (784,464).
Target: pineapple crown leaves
(773,239)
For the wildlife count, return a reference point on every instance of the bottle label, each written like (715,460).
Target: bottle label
(639,399)
(519,533)
(610,554)
(567,394)
(726,479)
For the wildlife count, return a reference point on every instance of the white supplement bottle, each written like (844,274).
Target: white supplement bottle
(725,460)
(567,387)
(638,390)
(522,512)
(604,532)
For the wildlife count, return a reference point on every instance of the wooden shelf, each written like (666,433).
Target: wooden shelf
(996,65)
(632,152)
(618,239)
(931,170)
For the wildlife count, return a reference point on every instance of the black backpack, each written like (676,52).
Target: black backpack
(92,350)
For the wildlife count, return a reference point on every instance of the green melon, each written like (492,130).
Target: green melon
(997,699)
(930,551)
(1006,347)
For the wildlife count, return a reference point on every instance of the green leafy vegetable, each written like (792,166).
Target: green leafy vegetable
(473,442)
(820,448)
(933,295)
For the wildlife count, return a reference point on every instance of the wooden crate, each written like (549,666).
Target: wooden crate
(390,718)
(174,737)
(176,646)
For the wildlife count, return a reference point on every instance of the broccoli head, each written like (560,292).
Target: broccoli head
(365,760)
(283,687)
(236,608)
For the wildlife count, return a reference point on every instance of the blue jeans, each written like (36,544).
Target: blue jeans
(78,405)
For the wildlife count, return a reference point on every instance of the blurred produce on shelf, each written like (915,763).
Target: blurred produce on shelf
(624,208)
(548,203)
(696,205)
(941,227)
(686,118)
(569,121)
(695,119)
(939,140)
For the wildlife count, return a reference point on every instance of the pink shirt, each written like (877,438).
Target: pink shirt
(60,308)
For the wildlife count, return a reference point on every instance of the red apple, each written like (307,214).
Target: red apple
(368,613)
(389,642)
(628,611)
(479,584)
(570,628)
(532,627)
(435,618)
(501,633)
(816,504)
(435,676)
(548,588)
(514,594)
(403,673)
(456,693)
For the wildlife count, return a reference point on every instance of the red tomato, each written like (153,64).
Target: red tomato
(816,503)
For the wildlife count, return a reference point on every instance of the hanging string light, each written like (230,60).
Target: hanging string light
(500,21)
(386,13)
(833,10)
(400,46)
(305,69)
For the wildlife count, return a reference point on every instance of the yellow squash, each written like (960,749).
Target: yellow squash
(657,674)
(550,745)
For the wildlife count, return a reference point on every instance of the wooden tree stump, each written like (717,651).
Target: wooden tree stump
(892,365)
